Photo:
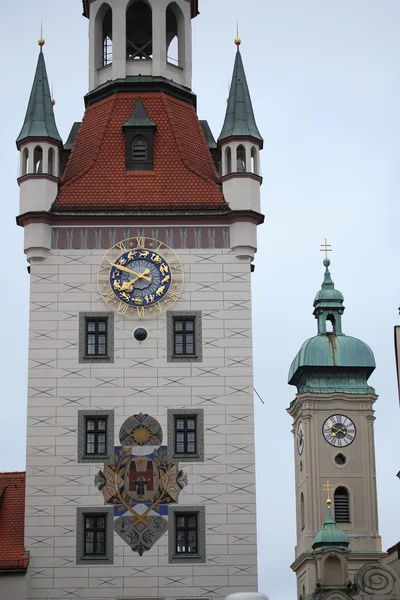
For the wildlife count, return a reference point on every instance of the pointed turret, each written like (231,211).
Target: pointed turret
(39,119)
(240,143)
(40,146)
(240,121)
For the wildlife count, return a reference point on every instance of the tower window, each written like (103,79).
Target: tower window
(107,38)
(139,31)
(51,162)
(96,337)
(38,160)
(302,513)
(184,336)
(186,532)
(139,150)
(228,159)
(186,435)
(24,163)
(95,535)
(254,161)
(241,159)
(340,459)
(330,324)
(95,436)
(342,505)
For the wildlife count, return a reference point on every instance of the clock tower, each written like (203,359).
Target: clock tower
(140,234)
(333,426)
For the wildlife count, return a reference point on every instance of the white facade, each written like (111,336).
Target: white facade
(63,285)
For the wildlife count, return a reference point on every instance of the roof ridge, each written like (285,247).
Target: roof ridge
(184,158)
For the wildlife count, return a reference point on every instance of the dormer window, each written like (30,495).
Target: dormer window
(139,131)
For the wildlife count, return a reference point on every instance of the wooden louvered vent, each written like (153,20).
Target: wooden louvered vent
(342,505)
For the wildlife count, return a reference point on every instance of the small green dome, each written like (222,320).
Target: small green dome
(330,535)
(330,350)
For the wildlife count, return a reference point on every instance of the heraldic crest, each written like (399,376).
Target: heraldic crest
(141,483)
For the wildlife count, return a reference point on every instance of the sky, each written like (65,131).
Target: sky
(325,83)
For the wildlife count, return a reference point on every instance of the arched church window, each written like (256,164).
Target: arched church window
(38,160)
(241,159)
(139,31)
(175,31)
(139,149)
(51,159)
(107,38)
(228,161)
(302,512)
(342,505)
(254,161)
(24,162)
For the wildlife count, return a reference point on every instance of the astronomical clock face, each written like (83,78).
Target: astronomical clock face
(300,437)
(339,431)
(140,277)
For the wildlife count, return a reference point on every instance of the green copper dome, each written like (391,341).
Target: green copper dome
(332,361)
(330,535)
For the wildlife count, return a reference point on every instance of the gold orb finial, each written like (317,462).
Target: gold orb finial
(41,41)
(52,94)
(238,41)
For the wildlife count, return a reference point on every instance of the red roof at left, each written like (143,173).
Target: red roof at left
(12,522)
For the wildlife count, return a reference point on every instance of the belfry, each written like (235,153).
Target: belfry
(140,232)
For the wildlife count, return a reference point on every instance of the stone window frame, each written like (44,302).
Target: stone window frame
(81,513)
(82,457)
(198,336)
(196,457)
(201,556)
(83,358)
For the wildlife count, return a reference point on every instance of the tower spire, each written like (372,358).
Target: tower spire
(239,119)
(39,119)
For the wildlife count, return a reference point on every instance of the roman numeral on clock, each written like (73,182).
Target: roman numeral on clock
(140,312)
(121,246)
(109,296)
(173,296)
(140,242)
(122,308)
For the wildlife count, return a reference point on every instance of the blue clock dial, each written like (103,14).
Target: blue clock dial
(139,276)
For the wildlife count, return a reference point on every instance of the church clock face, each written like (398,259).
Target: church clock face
(339,431)
(140,277)
(300,437)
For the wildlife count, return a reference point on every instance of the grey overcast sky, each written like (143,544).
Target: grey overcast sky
(324,78)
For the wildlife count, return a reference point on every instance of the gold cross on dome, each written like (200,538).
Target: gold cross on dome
(328,487)
(326,248)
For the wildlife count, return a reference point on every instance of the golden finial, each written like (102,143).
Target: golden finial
(41,42)
(52,94)
(326,248)
(238,41)
(328,487)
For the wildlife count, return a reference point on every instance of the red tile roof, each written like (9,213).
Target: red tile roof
(12,522)
(184,175)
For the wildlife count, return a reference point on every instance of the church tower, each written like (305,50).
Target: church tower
(140,448)
(333,420)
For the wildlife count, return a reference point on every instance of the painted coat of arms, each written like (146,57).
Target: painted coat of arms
(141,483)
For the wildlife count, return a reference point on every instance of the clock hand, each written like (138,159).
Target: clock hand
(138,275)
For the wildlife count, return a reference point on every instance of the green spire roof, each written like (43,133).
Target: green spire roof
(330,535)
(239,119)
(332,361)
(39,120)
(139,117)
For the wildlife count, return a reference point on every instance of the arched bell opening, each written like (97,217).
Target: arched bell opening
(51,162)
(24,162)
(341,503)
(38,160)
(175,35)
(330,324)
(139,31)
(103,36)
(241,159)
